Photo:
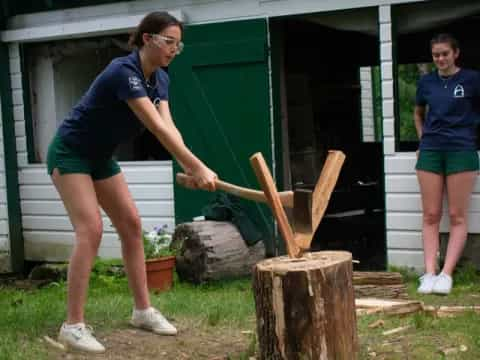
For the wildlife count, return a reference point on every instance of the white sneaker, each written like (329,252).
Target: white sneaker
(427,281)
(443,285)
(79,337)
(151,319)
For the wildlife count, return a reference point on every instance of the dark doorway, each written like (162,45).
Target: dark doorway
(322,105)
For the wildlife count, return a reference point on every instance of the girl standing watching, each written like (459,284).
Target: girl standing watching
(446,117)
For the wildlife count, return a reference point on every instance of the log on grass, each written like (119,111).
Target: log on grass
(377,278)
(305,307)
(370,306)
(213,250)
(381,291)
(379,284)
(450,311)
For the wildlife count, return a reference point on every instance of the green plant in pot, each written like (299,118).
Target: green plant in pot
(159,258)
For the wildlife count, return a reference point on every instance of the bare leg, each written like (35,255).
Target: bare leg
(431,188)
(459,190)
(78,195)
(115,198)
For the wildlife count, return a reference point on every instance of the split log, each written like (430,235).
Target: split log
(377,278)
(381,291)
(305,307)
(213,250)
(387,307)
(450,311)
(378,284)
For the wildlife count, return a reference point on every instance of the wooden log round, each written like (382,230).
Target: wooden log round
(213,250)
(305,307)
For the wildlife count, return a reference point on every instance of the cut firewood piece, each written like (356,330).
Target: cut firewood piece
(321,196)
(377,278)
(305,307)
(375,324)
(268,186)
(397,330)
(55,344)
(381,291)
(388,307)
(451,311)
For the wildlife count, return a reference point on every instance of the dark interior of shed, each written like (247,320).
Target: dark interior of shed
(322,95)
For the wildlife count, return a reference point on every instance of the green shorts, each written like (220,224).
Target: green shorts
(447,162)
(68,161)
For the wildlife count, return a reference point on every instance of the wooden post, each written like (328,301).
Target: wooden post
(305,307)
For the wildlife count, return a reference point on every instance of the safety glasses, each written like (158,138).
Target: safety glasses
(161,40)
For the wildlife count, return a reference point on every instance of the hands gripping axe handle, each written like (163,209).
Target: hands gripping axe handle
(308,207)
(286,197)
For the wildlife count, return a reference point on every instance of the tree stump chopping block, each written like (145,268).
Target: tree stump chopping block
(306,307)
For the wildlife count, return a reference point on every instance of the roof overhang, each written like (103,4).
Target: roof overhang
(78,29)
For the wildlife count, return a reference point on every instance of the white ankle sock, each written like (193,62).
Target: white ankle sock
(141,312)
(71,326)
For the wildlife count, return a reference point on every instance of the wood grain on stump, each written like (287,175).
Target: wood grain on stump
(305,307)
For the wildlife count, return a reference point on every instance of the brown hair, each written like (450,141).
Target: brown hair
(153,23)
(445,38)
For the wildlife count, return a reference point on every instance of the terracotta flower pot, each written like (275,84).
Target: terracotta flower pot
(160,272)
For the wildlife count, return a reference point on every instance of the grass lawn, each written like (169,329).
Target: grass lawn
(217,321)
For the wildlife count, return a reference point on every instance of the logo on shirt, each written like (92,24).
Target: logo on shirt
(458,92)
(134,83)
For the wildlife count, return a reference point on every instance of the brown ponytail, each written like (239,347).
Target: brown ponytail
(153,23)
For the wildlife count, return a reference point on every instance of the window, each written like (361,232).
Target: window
(371,103)
(407,78)
(414,26)
(58,74)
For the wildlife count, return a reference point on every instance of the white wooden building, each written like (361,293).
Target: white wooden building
(37,228)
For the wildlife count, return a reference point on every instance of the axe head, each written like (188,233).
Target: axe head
(302,211)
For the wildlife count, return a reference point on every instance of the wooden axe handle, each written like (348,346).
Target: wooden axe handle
(286,197)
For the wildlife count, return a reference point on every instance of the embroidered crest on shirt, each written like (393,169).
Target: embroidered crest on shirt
(458,92)
(134,82)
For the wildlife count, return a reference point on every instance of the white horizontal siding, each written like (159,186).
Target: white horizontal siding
(47,229)
(57,246)
(413,221)
(5,265)
(62,223)
(138,191)
(408,240)
(52,207)
(413,202)
(400,163)
(4,244)
(134,174)
(409,184)
(409,258)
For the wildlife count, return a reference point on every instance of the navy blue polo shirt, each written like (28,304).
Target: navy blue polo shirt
(453,110)
(102,119)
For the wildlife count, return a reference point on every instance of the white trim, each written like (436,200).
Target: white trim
(77,29)
(272,121)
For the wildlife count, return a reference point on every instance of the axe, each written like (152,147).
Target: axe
(308,206)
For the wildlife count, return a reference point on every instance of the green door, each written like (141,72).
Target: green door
(220,102)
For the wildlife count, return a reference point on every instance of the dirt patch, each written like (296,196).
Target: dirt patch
(192,342)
